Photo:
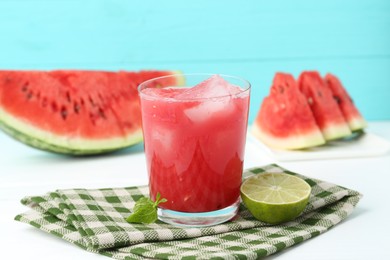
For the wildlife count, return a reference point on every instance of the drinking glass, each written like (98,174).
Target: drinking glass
(194,144)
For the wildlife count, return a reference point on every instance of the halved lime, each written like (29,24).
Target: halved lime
(275,197)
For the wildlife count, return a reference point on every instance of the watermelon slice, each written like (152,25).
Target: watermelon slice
(325,109)
(354,119)
(74,112)
(285,120)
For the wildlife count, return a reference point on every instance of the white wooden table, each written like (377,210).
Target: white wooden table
(26,171)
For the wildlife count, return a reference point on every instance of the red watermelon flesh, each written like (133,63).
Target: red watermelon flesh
(351,113)
(75,112)
(285,120)
(326,111)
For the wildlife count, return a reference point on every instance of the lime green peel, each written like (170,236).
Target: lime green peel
(275,197)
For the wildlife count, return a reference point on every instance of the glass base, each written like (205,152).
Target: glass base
(202,219)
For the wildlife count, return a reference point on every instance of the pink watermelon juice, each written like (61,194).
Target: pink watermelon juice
(194,143)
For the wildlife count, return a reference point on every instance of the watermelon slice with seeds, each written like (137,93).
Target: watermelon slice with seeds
(74,112)
(325,109)
(354,119)
(285,120)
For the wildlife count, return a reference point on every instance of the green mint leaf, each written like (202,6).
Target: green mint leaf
(158,201)
(158,195)
(145,210)
(144,214)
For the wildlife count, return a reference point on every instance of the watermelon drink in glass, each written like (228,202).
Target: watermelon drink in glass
(194,140)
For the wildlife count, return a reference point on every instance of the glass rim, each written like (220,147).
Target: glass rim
(245,88)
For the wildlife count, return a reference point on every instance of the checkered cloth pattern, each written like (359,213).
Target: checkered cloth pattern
(94,219)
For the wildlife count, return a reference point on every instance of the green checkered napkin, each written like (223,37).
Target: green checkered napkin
(95,221)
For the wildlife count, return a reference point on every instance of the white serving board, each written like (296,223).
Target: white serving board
(365,145)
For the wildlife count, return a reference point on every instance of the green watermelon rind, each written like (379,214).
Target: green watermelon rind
(44,140)
(336,131)
(292,142)
(357,123)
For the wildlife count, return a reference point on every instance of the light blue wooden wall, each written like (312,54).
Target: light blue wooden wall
(252,39)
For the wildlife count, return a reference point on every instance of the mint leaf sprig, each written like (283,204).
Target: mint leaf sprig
(145,210)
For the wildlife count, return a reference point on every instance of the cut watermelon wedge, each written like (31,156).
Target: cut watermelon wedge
(285,120)
(73,112)
(354,119)
(326,111)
